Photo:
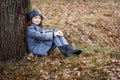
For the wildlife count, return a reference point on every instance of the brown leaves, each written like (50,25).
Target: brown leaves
(94,27)
(92,24)
(94,63)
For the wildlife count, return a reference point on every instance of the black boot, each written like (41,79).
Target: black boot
(64,51)
(72,51)
(68,50)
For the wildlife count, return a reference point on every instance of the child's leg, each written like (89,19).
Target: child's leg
(65,48)
(60,41)
(63,41)
(57,41)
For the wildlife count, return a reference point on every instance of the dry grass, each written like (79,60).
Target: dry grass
(92,27)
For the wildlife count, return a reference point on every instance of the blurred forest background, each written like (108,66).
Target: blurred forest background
(94,24)
(91,25)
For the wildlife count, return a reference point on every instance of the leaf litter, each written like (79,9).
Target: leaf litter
(93,27)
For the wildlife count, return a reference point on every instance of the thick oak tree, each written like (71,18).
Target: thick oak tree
(13,17)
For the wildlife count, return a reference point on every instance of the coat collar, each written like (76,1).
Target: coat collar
(37,27)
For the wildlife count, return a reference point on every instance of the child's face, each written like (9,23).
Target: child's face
(36,20)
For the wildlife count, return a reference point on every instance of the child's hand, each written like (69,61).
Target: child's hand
(58,33)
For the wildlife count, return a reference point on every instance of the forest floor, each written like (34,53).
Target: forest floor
(94,27)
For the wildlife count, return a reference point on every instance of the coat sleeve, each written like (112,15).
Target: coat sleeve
(31,32)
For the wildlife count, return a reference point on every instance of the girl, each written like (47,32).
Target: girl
(41,41)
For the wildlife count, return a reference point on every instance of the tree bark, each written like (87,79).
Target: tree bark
(13,17)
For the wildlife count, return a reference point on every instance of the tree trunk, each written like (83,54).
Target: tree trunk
(13,17)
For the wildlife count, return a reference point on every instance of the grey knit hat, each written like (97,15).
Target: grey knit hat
(35,13)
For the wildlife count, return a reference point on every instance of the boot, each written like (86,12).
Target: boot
(68,50)
(71,50)
(63,50)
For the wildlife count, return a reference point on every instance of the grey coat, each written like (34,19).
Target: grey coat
(39,40)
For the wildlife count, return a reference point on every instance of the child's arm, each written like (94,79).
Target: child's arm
(31,32)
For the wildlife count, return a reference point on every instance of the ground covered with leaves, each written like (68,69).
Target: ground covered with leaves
(91,26)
